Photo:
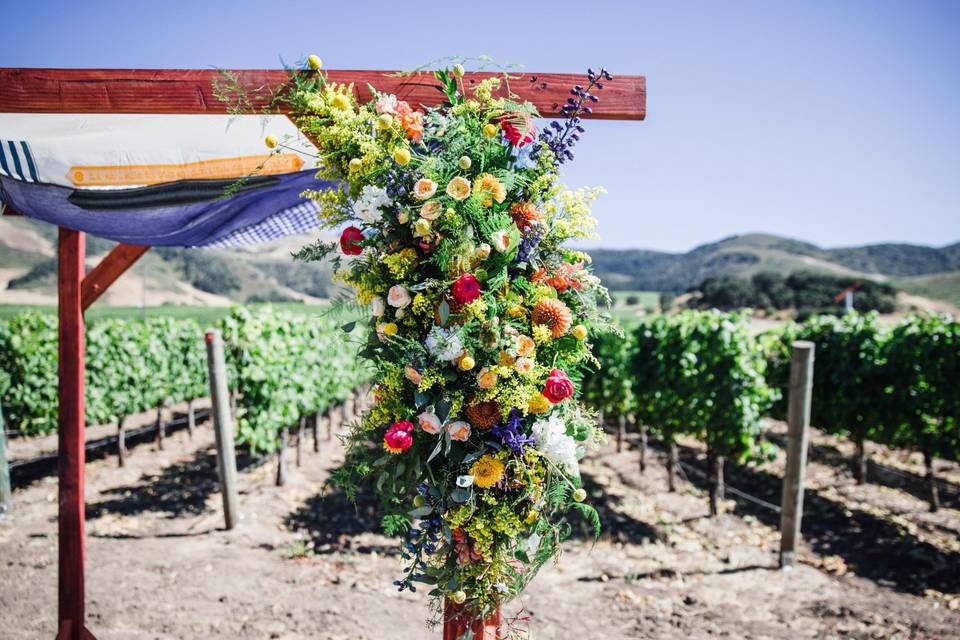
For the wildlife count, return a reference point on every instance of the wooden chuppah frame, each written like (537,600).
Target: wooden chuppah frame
(190,91)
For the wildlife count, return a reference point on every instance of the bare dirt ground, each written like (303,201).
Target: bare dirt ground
(303,565)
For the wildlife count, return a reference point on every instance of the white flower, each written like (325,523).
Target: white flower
(377,306)
(444,344)
(368,207)
(429,422)
(501,240)
(533,543)
(553,442)
(398,296)
(465,481)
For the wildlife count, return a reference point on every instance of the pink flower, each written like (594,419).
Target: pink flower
(387,104)
(558,387)
(399,437)
(518,129)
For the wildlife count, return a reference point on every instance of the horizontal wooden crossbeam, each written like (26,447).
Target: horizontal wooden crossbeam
(190,91)
(96,283)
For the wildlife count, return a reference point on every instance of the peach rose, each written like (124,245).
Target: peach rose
(431,210)
(459,430)
(429,422)
(398,296)
(524,366)
(525,346)
(458,189)
(424,189)
(486,379)
(413,376)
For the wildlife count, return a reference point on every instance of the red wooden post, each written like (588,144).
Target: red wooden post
(71,458)
(457,620)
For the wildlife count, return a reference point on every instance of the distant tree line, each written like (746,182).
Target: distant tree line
(806,291)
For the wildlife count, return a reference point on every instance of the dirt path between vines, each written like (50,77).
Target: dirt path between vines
(305,566)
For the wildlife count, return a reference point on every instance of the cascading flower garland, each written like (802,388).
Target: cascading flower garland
(454,224)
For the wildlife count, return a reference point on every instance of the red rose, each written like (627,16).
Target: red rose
(558,387)
(350,241)
(518,129)
(466,289)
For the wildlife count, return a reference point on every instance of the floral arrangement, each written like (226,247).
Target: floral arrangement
(452,224)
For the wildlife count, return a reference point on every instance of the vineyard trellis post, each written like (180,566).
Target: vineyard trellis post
(5,491)
(222,427)
(798,427)
(186,91)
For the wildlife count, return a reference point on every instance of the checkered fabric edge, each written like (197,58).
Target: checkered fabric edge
(293,220)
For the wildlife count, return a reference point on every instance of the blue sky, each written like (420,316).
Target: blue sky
(835,122)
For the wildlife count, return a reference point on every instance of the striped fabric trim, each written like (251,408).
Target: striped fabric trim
(297,219)
(16,161)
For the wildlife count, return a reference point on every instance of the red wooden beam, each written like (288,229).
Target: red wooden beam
(72,251)
(96,283)
(191,90)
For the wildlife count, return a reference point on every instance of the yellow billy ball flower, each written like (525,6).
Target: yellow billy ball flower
(355,164)
(314,62)
(579,495)
(340,101)
(419,501)
(467,363)
(401,155)
(385,121)
(390,329)
(464,162)
(579,332)
(458,71)
(271,142)
(459,597)
(489,130)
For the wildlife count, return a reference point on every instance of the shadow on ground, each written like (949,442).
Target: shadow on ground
(872,547)
(332,523)
(180,489)
(893,477)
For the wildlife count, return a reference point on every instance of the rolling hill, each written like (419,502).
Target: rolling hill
(267,273)
(746,255)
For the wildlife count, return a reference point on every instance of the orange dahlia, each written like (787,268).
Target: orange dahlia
(554,315)
(483,415)
(524,214)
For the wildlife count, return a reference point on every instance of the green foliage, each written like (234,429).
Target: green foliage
(131,365)
(921,373)
(607,387)
(896,386)
(285,366)
(701,373)
(802,290)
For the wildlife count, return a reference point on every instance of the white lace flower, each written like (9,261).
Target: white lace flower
(444,344)
(368,206)
(553,442)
